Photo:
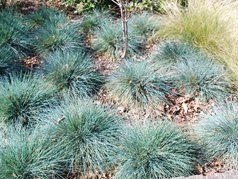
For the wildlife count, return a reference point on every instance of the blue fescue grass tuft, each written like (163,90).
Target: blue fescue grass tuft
(143,25)
(44,16)
(51,38)
(173,51)
(90,135)
(154,151)
(203,77)
(218,132)
(109,41)
(24,97)
(72,73)
(14,42)
(30,154)
(139,84)
(94,20)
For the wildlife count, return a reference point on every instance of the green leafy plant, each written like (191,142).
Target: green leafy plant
(86,5)
(218,133)
(139,83)
(90,135)
(50,38)
(156,150)
(45,16)
(24,97)
(149,5)
(72,73)
(201,76)
(156,6)
(143,25)
(13,39)
(29,154)
(109,41)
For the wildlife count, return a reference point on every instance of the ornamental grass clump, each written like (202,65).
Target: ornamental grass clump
(143,25)
(156,150)
(93,20)
(72,73)
(24,97)
(218,133)
(172,51)
(207,24)
(44,16)
(139,84)
(201,24)
(30,154)
(13,39)
(51,38)
(108,41)
(202,77)
(90,134)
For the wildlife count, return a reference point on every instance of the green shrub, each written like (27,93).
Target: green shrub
(90,135)
(28,154)
(173,51)
(157,150)
(86,5)
(201,76)
(72,73)
(13,39)
(109,41)
(149,5)
(143,25)
(51,38)
(24,97)
(139,83)
(218,133)
(45,16)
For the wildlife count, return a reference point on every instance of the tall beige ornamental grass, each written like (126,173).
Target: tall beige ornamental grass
(211,25)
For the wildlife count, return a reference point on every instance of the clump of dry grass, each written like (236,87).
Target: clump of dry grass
(208,24)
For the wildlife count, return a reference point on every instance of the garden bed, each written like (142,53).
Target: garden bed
(72,107)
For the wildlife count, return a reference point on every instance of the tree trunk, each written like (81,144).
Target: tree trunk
(124,28)
(123,10)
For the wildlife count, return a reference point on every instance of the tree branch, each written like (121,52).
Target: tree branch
(116,2)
